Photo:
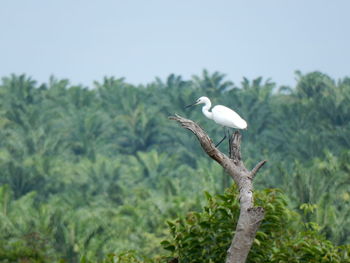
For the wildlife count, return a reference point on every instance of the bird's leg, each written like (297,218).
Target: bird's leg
(220,141)
(228,133)
(229,141)
(222,138)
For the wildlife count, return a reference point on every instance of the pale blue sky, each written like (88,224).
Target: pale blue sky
(85,40)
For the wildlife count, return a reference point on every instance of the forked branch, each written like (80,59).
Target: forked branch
(250,217)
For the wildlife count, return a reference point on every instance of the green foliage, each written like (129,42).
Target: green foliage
(99,171)
(282,237)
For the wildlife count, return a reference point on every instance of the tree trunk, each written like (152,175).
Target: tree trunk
(250,217)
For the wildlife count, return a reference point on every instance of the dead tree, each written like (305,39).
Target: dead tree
(250,217)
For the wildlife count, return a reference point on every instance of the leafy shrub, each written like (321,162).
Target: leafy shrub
(282,237)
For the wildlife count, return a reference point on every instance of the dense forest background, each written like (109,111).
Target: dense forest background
(89,171)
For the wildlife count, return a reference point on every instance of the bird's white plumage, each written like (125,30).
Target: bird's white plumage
(227,117)
(221,114)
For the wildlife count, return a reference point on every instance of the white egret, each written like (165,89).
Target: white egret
(221,115)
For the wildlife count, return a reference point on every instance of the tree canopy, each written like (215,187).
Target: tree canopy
(86,172)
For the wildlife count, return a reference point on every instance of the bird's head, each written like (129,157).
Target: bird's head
(201,100)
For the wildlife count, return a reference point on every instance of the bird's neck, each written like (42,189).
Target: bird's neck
(206,111)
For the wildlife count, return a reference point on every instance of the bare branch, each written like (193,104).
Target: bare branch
(257,168)
(205,141)
(235,146)
(250,217)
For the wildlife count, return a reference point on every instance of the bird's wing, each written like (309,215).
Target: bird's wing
(227,117)
(224,111)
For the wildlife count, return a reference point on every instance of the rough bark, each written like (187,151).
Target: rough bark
(250,217)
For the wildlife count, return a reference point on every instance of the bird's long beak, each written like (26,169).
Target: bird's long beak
(191,105)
